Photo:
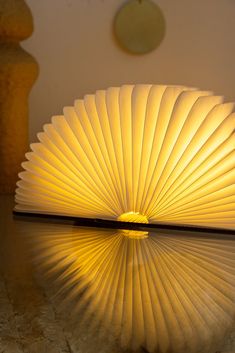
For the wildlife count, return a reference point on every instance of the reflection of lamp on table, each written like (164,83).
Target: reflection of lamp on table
(172,291)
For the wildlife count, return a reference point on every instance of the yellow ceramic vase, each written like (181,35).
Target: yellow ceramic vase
(18,71)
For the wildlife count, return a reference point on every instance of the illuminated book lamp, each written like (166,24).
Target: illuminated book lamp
(149,154)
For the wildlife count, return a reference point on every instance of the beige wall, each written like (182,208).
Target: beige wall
(74,46)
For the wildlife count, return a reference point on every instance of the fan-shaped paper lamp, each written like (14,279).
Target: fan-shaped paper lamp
(172,292)
(138,153)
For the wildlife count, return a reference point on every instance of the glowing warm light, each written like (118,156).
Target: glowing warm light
(134,234)
(170,292)
(163,153)
(134,217)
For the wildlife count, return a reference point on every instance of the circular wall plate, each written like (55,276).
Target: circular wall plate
(139,26)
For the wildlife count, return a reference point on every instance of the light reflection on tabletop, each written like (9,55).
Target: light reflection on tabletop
(164,291)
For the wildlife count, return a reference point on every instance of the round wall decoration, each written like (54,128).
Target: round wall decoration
(139,26)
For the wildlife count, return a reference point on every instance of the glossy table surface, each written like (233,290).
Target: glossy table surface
(77,289)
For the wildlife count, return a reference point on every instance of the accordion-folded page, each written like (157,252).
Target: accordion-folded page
(136,153)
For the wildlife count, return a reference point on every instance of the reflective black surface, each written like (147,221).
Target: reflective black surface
(161,291)
(87,290)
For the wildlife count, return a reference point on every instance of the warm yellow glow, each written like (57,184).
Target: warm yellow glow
(170,292)
(134,217)
(164,152)
(134,234)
